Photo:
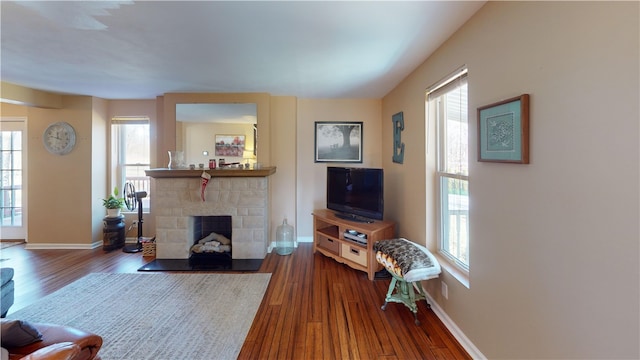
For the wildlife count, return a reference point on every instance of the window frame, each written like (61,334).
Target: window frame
(435,108)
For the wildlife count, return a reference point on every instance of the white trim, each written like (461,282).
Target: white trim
(453,270)
(272,244)
(305,239)
(94,245)
(9,119)
(464,341)
(459,73)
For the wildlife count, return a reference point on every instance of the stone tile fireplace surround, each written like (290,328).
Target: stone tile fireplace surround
(242,194)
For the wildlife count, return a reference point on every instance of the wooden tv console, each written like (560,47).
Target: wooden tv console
(343,240)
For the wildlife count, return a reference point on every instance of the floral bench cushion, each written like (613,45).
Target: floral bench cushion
(406,259)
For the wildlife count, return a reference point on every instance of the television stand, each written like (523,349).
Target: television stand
(353,217)
(350,242)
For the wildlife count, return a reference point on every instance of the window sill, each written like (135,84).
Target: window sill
(453,270)
(135,212)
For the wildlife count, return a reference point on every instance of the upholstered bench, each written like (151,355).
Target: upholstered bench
(408,263)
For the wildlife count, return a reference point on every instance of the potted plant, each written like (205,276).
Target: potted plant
(113,203)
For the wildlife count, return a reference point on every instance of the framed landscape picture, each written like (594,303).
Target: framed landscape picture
(503,131)
(230,145)
(338,141)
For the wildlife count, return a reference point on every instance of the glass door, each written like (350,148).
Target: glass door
(12,176)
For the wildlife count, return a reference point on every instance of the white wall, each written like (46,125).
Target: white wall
(554,244)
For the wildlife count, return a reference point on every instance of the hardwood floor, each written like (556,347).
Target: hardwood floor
(314,307)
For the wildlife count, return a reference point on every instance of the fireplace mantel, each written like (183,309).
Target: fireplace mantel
(231,172)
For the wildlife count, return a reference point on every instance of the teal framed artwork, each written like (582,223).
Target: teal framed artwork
(503,131)
(398,145)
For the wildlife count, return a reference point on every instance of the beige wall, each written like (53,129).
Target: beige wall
(554,253)
(311,177)
(86,171)
(282,184)
(60,187)
(78,180)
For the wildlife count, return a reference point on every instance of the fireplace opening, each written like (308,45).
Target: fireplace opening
(211,242)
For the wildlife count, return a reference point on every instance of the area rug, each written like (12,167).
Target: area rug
(157,315)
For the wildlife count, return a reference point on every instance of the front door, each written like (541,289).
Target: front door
(13,195)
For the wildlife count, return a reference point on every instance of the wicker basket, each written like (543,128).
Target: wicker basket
(149,249)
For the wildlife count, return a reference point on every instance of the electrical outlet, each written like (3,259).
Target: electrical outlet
(134,224)
(445,290)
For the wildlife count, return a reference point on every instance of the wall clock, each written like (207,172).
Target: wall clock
(59,138)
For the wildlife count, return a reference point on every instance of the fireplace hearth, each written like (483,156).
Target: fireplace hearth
(234,265)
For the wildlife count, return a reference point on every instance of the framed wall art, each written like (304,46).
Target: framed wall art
(338,141)
(230,145)
(503,131)
(398,145)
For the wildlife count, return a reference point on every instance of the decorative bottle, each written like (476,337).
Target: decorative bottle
(285,242)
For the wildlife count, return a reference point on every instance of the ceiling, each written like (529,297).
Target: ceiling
(143,49)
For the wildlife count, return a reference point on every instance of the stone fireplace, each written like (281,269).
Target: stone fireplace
(241,194)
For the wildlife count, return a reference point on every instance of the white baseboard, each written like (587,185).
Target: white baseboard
(464,341)
(94,245)
(299,239)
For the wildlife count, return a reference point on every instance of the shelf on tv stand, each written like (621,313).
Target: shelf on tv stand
(329,239)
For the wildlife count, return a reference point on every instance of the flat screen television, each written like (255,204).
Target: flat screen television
(356,193)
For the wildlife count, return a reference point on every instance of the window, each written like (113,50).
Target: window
(131,149)
(447,104)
